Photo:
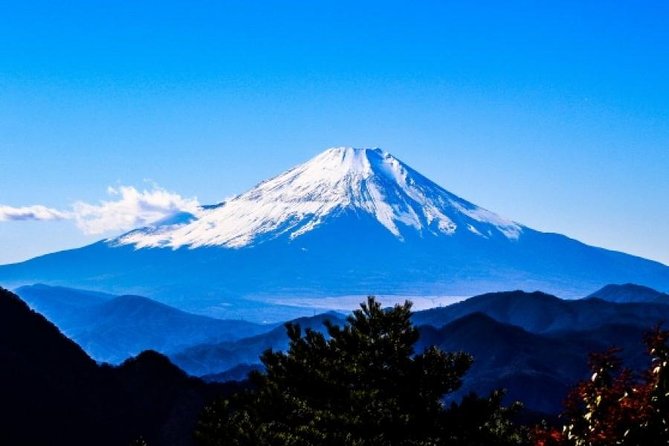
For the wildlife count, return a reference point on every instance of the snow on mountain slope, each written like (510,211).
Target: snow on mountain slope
(369,181)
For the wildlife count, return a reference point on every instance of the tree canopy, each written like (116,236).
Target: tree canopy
(360,384)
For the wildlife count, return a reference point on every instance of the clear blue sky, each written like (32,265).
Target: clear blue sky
(553,114)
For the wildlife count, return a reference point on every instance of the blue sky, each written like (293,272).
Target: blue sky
(553,115)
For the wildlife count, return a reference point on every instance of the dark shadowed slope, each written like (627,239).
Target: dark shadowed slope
(533,368)
(537,369)
(53,393)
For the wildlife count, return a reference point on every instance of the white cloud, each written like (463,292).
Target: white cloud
(130,209)
(35,212)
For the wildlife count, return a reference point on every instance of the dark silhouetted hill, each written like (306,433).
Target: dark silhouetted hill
(52,393)
(537,369)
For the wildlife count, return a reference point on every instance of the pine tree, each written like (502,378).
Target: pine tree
(361,384)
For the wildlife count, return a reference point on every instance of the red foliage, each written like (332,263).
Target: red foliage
(615,408)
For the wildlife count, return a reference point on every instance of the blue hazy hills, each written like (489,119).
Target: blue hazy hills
(533,344)
(114,328)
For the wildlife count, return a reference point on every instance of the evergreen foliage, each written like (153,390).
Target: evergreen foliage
(361,384)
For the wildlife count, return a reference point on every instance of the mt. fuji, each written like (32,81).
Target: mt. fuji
(349,222)
(369,182)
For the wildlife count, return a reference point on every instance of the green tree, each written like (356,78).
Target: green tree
(361,384)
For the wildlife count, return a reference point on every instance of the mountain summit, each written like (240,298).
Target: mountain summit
(339,180)
(347,223)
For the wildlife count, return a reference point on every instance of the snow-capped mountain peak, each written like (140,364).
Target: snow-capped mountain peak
(367,181)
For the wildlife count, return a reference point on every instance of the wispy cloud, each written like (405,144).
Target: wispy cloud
(35,212)
(129,208)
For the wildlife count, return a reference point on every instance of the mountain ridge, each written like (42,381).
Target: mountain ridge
(630,292)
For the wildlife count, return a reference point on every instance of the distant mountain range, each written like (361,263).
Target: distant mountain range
(543,313)
(533,344)
(114,328)
(211,359)
(348,222)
